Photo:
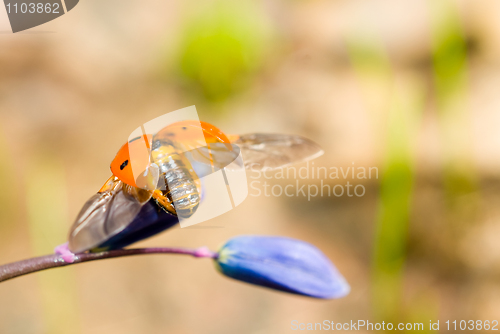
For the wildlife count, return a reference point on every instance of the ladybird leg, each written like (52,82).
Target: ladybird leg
(164,202)
(65,253)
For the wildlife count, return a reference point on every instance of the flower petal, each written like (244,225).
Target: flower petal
(283,264)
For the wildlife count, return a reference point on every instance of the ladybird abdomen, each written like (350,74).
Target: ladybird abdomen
(180,188)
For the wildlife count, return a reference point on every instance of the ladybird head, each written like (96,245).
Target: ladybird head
(132,160)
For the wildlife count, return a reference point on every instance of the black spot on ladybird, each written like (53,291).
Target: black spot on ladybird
(124,164)
(184,128)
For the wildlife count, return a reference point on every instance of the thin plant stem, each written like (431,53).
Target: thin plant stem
(24,267)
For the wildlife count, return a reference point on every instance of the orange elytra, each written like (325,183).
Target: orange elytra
(124,168)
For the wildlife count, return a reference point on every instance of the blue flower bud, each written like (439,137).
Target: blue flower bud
(283,264)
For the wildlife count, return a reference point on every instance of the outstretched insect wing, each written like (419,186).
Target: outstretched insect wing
(211,158)
(104,215)
(262,151)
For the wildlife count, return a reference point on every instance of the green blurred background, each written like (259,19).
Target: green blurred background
(409,87)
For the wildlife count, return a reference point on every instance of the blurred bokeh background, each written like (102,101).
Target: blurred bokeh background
(409,87)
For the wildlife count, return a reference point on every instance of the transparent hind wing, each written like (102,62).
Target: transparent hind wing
(260,151)
(263,151)
(208,159)
(104,215)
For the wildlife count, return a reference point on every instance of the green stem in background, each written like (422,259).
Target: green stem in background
(24,267)
(396,194)
(398,101)
(461,187)
(449,52)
